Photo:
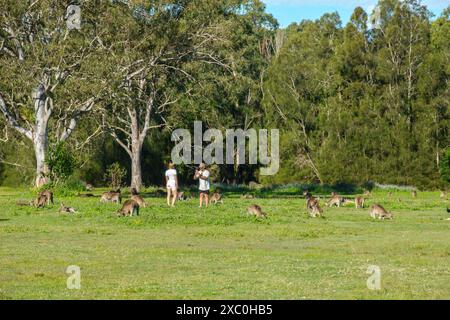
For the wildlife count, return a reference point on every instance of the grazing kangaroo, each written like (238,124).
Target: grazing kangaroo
(377,211)
(129,208)
(256,211)
(140,201)
(112,196)
(335,200)
(359,202)
(181,196)
(216,197)
(49,196)
(64,209)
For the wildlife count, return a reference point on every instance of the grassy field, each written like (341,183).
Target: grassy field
(220,253)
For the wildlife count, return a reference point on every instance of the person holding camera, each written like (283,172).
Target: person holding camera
(202,174)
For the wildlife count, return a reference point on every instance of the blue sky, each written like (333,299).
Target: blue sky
(288,11)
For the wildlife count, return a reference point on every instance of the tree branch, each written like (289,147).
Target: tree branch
(12,120)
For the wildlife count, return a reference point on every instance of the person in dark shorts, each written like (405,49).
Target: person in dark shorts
(202,174)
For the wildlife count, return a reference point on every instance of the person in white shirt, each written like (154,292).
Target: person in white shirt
(171,185)
(202,174)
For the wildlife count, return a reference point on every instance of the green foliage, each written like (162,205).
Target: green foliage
(445,167)
(354,103)
(115,175)
(61,162)
(357,104)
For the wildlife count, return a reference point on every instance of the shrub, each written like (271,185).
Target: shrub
(61,162)
(444,167)
(115,175)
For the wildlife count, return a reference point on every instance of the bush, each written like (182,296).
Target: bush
(444,167)
(66,188)
(115,175)
(61,162)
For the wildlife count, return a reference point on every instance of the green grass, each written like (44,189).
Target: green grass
(220,253)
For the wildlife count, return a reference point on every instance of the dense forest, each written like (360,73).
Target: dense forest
(365,101)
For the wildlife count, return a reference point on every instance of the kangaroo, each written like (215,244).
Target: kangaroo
(347,201)
(367,193)
(112,196)
(129,208)
(315,210)
(443,195)
(40,201)
(181,196)
(49,196)
(414,194)
(248,196)
(64,209)
(140,201)
(310,200)
(256,211)
(335,200)
(359,202)
(377,211)
(216,197)
(134,192)
(24,203)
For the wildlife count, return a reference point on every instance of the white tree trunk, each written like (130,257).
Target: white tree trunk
(40,137)
(136,168)
(135,154)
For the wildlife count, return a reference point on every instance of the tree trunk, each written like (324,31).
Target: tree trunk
(40,137)
(135,154)
(40,150)
(136,169)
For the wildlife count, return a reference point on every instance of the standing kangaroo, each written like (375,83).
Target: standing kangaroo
(359,202)
(40,201)
(48,195)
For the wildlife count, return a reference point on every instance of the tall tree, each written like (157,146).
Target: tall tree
(47,72)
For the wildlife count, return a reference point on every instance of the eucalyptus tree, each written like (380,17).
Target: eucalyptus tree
(49,70)
(167,55)
(296,88)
